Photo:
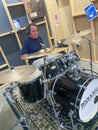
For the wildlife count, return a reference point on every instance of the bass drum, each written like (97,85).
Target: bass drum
(80,95)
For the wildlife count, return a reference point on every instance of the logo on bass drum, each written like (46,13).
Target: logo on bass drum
(89,98)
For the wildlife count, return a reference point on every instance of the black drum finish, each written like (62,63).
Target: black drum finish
(65,91)
(31,92)
(54,68)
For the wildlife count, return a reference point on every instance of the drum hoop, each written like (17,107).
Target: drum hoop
(79,93)
(28,82)
(33,79)
(48,60)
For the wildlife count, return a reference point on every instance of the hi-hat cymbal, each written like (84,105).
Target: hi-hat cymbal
(45,52)
(17,74)
(77,37)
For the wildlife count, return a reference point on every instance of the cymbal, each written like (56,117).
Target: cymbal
(17,74)
(85,32)
(45,52)
(77,37)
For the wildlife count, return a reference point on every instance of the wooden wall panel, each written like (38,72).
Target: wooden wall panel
(66,20)
(62,3)
(53,12)
(78,6)
(80,22)
(96,32)
(63,28)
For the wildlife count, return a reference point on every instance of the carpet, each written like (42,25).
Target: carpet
(41,115)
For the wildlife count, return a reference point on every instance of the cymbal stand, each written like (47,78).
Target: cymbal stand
(44,79)
(22,118)
(71,113)
(90,49)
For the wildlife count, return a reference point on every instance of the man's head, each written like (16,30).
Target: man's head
(32,31)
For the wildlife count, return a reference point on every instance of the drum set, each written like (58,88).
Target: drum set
(57,78)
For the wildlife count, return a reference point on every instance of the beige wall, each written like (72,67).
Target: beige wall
(71,17)
(81,22)
(61,28)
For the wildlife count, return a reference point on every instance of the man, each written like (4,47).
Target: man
(32,43)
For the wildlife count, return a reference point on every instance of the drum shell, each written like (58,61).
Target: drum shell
(53,65)
(31,92)
(54,68)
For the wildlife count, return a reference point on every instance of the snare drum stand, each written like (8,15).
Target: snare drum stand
(48,94)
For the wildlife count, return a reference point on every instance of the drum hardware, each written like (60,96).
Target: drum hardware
(44,79)
(48,94)
(71,56)
(71,114)
(53,103)
(62,43)
(90,49)
(96,100)
(10,90)
(95,73)
(51,96)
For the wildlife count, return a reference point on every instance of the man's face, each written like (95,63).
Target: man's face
(33,32)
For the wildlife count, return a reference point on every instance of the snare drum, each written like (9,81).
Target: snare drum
(81,96)
(32,91)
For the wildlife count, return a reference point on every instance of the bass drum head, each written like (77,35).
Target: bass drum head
(89,102)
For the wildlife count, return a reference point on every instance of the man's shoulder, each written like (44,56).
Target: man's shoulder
(27,39)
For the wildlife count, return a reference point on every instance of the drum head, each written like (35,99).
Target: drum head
(89,102)
(32,77)
(53,56)
(40,62)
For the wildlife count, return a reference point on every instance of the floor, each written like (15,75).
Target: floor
(7,117)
